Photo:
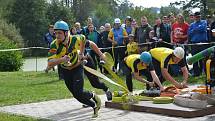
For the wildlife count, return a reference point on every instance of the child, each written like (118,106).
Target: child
(132,46)
(152,39)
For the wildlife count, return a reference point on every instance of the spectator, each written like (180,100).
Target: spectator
(117,36)
(129,29)
(78,28)
(101,29)
(73,31)
(49,37)
(142,32)
(167,27)
(179,36)
(94,36)
(191,18)
(198,34)
(209,21)
(85,29)
(171,18)
(153,39)
(134,24)
(179,31)
(132,46)
(104,38)
(161,32)
(213,30)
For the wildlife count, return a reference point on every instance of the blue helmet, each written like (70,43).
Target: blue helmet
(146,57)
(61,25)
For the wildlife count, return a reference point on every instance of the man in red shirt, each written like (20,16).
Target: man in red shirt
(179,31)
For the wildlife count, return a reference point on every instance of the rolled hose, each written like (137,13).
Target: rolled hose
(136,98)
(162,100)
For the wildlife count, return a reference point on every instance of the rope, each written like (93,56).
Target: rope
(148,43)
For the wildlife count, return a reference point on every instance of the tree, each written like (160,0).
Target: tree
(58,11)
(5,7)
(191,4)
(30,17)
(11,32)
(165,11)
(138,12)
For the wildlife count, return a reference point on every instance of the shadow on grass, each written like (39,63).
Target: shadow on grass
(47,82)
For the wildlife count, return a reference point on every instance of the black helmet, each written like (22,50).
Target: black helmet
(129,18)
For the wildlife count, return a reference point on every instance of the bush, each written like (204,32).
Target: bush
(11,60)
(11,32)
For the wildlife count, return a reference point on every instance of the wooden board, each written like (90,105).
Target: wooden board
(164,109)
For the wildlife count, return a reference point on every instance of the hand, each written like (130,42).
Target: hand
(66,58)
(160,40)
(114,43)
(102,57)
(162,89)
(81,56)
(184,83)
(151,84)
(179,86)
(121,37)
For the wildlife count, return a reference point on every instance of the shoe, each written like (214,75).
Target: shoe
(46,71)
(96,112)
(98,106)
(108,95)
(85,106)
(97,101)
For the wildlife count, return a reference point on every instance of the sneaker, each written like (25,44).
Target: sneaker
(96,112)
(108,95)
(85,106)
(46,70)
(98,105)
(97,101)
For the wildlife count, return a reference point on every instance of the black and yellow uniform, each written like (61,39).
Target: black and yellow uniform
(74,77)
(94,80)
(132,64)
(132,48)
(162,58)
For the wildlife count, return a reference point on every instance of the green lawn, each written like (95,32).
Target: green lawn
(11,117)
(27,87)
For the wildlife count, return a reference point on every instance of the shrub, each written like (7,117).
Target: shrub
(11,32)
(10,60)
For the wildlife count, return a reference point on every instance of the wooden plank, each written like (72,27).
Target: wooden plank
(164,109)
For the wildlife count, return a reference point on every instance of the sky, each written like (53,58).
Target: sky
(151,3)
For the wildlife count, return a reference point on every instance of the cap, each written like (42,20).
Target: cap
(117,21)
(197,14)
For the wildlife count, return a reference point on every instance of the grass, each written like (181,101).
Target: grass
(11,117)
(28,87)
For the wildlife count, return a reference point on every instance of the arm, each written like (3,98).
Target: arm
(125,34)
(156,80)
(111,38)
(202,27)
(167,76)
(82,47)
(185,76)
(171,36)
(56,61)
(139,78)
(190,30)
(95,48)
